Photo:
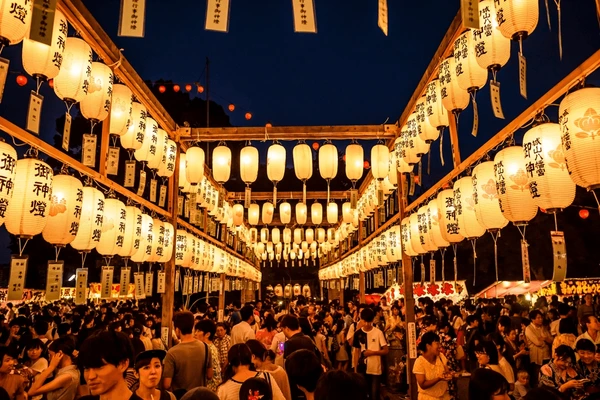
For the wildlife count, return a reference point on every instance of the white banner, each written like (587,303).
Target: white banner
(16,282)
(133,15)
(54,280)
(106,280)
(138,278)
(412,340)
(124,281)
(81,286)
(217,15)
(149,283)
(382,19)
(304,16)
(160,282)
(42,21)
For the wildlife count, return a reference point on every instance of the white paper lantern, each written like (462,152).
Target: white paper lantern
(309,235)
(133,232)
(267,213)
(328,161)
(149,144)
(64,211)
(347,212)
(28,210)
(380,159)
(405,234)
(492,49)
(134,137)
(253,214)
(435,112)
(182,181)
(144,251)
(301,213)
(316,213)
(426,131)
(194,168)
(415,237)
(285,212)
(287,235)
(120,109)
(221,163)
(424,227)
(96,105)
(512,184)
(448,217)
(434,224)
(158,150)
(90,223)
(8,160)
(399,156)
(332,213)
(72,83)
(249,164)
(454,99)
(485,197)
(169,238)
(275,162)
(238,214)
(303,164)
(41,60)
(158,240)
(414,145)
(298,234)
(181,247)
(113,228)
(550,185)
(518,18)
(469,74)
(468,225)
(167,166)
(355,160)
(275,235)
(15,20)
(321,235)
(579,116)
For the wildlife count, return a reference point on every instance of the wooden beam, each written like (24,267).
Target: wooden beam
(66,159)
(294,133)
(283,196)
(90,30)
(583,70)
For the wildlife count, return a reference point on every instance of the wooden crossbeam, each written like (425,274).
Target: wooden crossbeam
(294,133)
(282,196)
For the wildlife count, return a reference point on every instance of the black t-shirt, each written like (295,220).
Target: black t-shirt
(297,342)
(133,397)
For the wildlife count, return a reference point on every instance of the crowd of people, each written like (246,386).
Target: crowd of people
(504,348)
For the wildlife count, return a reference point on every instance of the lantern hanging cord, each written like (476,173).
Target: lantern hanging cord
(117,63)
(38,85)
(443,253)
(555,222)
(495,236)
(522,232)
(16,144)
(22,248)
(548,15)
(473,243)
(56,252)
(442,145)
(93,125)
(107,260)
(68,104)
(130,152)
(83,257)
(560,50)
(596,197)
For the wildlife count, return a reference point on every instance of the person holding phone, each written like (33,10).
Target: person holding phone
(559,373)
(66,380)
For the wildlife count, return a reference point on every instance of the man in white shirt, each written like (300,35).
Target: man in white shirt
(243,331)
(592,329)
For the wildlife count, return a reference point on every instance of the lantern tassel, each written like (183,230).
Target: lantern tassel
(548,15)
(83,257)
(442,146)
(557,2)
(495,236)
(473,243)
(475,128)
(443,253)
(455,264)
(428,163)
(597,202)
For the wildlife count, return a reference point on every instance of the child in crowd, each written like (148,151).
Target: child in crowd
(521,385)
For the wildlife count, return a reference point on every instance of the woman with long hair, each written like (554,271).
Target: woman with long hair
(487,356)
(268,331)
(431,370)
(263,362)
(239,369)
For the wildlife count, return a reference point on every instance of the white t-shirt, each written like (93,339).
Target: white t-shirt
(241,333)
(230,390)
(371,340)
(432,371)
(507,370)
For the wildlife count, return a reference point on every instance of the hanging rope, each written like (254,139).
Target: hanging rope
(57,252)
(22,248)
(555,222)
(83,257)
(473,244)
(596,197)
(443,253)
(475,128)
(454,247)
(495,236)
(442,145)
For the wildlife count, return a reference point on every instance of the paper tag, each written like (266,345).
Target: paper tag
(227,285)
(132,20)
(54,280)
(220,315)
(149,283)
(42,21)
(353,198)
(177,277)
(112,162)
(179,205)
(153,184)
(124,281)
(432,271)
(247,197)
(304,16)
(469,12)
(186,208)
(495,95)
(106,282)
(522,75)
(475,128)
(164,336)
(162,198)
(559,251)
(525,261)
(16,281)
(217,15)
(81,286)
(34,113)
(196,284)
(411,190)
(129,173)
(206,283)
(88,150)
(160,282)
(455,269)
(412,340)
(142,184)
(4,63)
(382,17)
(400,275)
(138,278)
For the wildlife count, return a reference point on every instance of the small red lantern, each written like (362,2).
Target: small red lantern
(583,213)
(268,125)
(200,89)
(366,165)
(231,107)
(188,88)
(51,83)
(162,89)
(316,146)
(344,158)
(417,179)
(21,80)
(543,210)
(248,116)
(176,88)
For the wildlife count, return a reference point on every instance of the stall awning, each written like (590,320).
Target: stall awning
(503,288)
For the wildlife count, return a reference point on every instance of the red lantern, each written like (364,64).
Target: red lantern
(51,83)
(21,80)
(583,213)
(543,210)
(248,116)
(200,89)
(268,125)
(176,88)
(162,89)
(231,107)
(366,165)
(417,179)
(316,146)
(188,88)
(344,158)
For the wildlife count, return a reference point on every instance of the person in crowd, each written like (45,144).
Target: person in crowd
(239,370)
(136,341)
(504,365)
(431,370)
(235,316)
(521,385)
(13,384)
(187,364)
(542,393)
(538,341)
(104,358)
(296,340)
(256,388)
(559,373)
(148,369)
(486,384)
(472,339)
(487,356)
(304,370)
(563,313)
(587,367)
(341,355)
(278,345)
(263,363)
(320,340)
(222,343)
(243,331)
(591,328)
(34,360)
(567,334)
(268,331)
(66,374)
(205,331)
(341,385)
(587,308)
(200,393)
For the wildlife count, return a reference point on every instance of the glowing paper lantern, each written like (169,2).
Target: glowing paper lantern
(579,119)
(303,165)
(448,217)
(249,164)
(90,223)
(424,227)
(169,237)
(144,251)
(113,228)
(328,163)
(332,213)
(158,242)
(316,213)
(415,147)
(321,235)
(415,238)
(275,235)
(347,214)
(470,76)
(287,235)
(485,197)
(285,212)
(238,214)
(64,211)
(182,181)
(148,148)
(518,18)
(399,154)
(301,213)
(8,159)
(465,210)
(435,112)
(181,246)
(133,232)
(221,163)
(134,137)
(298,234)
(435,228)
(120,109)
(354,162)
(454,98)
(380,159)
(253,214)
(276,162)
(167,166)
(41,60)
(405,234)
(194,167)
(491,48)
(96,105)
(550,184)
(516,203)
(158,150)
(72,84)
(425,130)
(267,213)
(15,20)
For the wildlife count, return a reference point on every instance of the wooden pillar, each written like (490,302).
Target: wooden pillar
(453,128)
(409,300)
(221,297)
(361,288)
(342,291)
(168,298)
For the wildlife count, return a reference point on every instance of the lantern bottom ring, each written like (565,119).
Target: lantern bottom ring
(521,35)
(520,223)
(553,210)
(495,67)
(41,77)
(592,187)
